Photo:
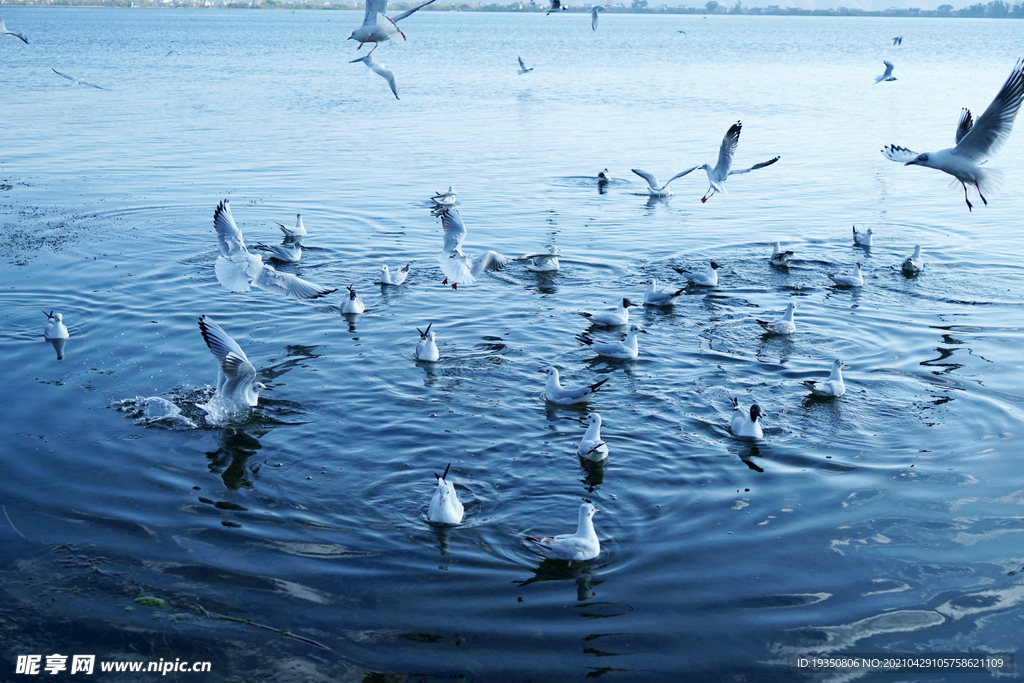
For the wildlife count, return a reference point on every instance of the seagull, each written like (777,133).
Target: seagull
(709,278)
(353,304)
(377,27)
(426,347)
(290,253)
(887,76)
(603,177)
(898,40)
(619,315)
(783,325)
(555,6)
(381,70)
(456,266)
(591,446)
(556,393)
(833,386)
(744,427)
(235,374)
(237,269)
(77,81)
(855,280)
(593,16)
(780,258)
(582,545)
(445,198)
(543,261)
(975,141)
(298,231)
(55,326)
(861,239)
(654,188)
(445,506)
(660,297)
(718,174)
(914,264)
(5,32)
(396,278)
(522,67)
(627,349)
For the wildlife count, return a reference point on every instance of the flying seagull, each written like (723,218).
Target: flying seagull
(975,141)
(5,32)
(377,26)
(898,40)
(458,267)
(655,188)
(381,70)
(887,76)
(78,81)
(721,171)
(593,16)
(522,67)
(555,6)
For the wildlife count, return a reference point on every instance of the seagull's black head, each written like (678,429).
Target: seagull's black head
(921,159)
(755,412)
(715,265)
(626,303)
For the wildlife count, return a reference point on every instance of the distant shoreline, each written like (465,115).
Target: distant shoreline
(996,9)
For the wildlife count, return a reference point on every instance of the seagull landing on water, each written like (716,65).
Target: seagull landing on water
(582,545)
(784,325)
(656,189)
(780,258)
(593,16)
(381,70)
(975,142)
(522,67)
(426,347)
(5,32)
(887,76)
(235,374)
(855,280)
(914,264)
(567,395)
(298,231)
(833,386)
(445,198)
(456,266)
(289,253)
(723,169)
(78,81)
(543,261)
(377,26)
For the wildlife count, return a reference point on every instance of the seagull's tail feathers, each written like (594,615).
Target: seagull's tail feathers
(989,181)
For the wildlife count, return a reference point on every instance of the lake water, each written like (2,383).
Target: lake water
(886,521)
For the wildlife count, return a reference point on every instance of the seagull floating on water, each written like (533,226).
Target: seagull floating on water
(619,315)
(445,198)
(237,269)
(833,386)
(975,142)
(654,188)
(855,280)
(709,278)
(603,177)
(660,297)
(542,262)
(914,264)
(395,278)
(780,258)
(298,231)
(723,169)
(290,253)
(862,239)
(235,374)
(582,545)
(55,326)
(591,446)
(887,76)
(353,304)
(378,27)
(456,266)
(627,349)
(522,67)
(445,506)
(381,70)
(4,31)
(784,325)
(566,395)
(593,16)
(426,347)
(78,81)
(746,426)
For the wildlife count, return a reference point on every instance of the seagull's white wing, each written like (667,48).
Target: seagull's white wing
(233,362)
(387,74)
(993,127)
(680,175)
(454,231)
(5,30)
(540,256)
(729,142)
(651,180)
(273,280)
(70,78)
(91,85)
(593,18)
(403,15)
(230,237)
(756,166)
(489,260)
(888,68)
(521,65)
(964,125)
(897,153)
(457,268)
(373,8)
